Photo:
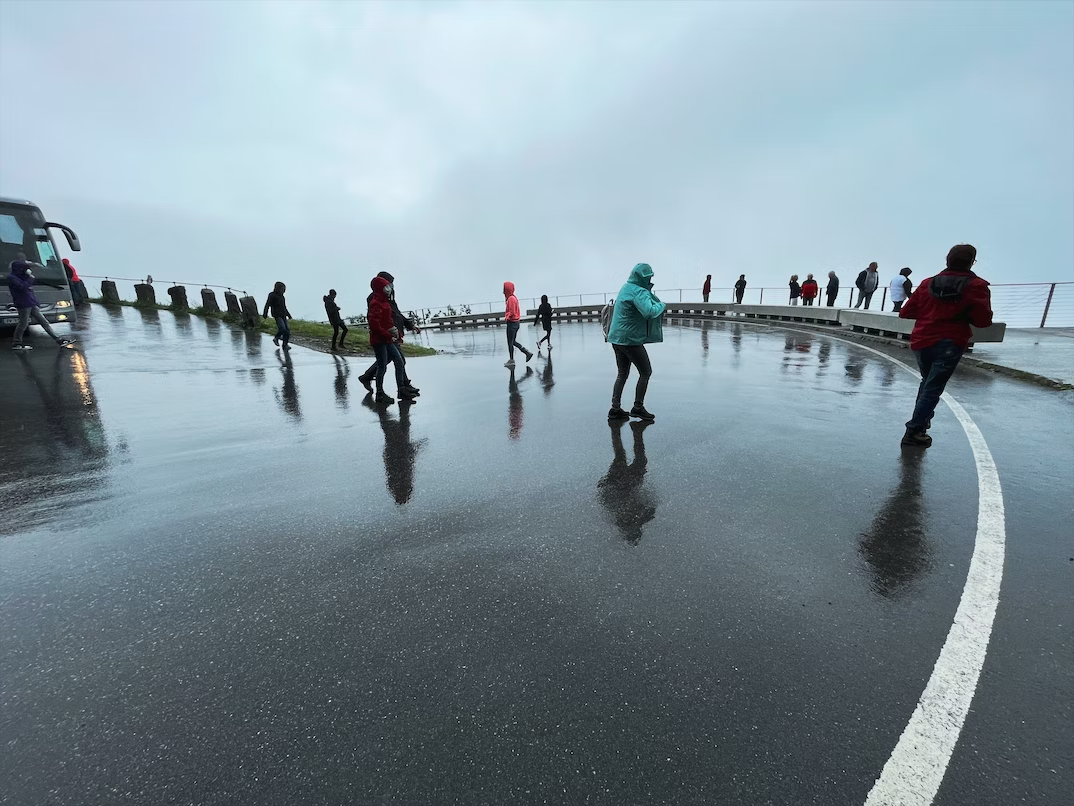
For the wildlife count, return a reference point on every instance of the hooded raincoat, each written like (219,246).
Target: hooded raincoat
(636,318)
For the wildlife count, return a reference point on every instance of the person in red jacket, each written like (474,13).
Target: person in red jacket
(944,307)
(383,336)
(513,317)
(810,289)
(706,289)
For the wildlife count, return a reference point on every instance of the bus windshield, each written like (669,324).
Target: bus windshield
(23,237)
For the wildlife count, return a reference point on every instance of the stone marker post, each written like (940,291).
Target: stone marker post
(208,301)
(145,294)
(232,303)
(109,293)
(251,316)
(178,295)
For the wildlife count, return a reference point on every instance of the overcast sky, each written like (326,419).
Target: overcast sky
(556,145)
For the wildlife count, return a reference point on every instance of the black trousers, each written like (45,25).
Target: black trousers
(336,328)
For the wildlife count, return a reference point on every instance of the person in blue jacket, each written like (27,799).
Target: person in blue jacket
(635,323)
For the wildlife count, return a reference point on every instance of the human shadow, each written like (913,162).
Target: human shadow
(287,397)
(514,403)
(343,373)
(400,451)
(547,382)
(896,548)
(621,491)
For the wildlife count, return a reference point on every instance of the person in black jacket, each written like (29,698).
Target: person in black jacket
(740,288)
(833,288)
(334,319)
(796,290)
(867,283)
(544,318)
(401,323)
(277,305)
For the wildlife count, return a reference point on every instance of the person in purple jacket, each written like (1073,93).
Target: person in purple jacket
(21,282)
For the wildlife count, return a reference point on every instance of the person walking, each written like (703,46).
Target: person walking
(796,290)
(943,308)
(383,335)
(544,318)
(635,323)
(20,281)
(706,289)
(867,283)
(334,319)
(901,288)
(513,317)
(740,288)
(810,289)
(833,288)
(401,323)
(277,306)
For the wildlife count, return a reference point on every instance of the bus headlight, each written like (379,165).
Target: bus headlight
(63,304)
(62,317)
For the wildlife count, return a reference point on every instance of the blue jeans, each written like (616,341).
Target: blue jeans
(386,353)
(283,330)
(937,364)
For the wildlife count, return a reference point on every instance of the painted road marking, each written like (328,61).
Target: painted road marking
(914,771)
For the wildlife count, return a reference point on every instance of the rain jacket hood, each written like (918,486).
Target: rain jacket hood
(20,283)
(512,313)
(379,314)
(636,318)
(508,289)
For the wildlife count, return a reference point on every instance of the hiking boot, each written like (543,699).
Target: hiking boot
(276,340)
(406,394)
(411,391)
(510,364)
(617,413)
(916,439)
(642,414)
(383,399)
(367,382)
(409,385)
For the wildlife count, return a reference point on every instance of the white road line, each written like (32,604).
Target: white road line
(915,770)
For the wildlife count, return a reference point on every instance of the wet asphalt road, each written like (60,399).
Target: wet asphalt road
(225,579)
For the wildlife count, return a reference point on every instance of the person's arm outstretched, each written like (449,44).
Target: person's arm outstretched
(648,305)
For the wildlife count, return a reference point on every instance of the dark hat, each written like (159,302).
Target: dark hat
(905,272)
(386,276)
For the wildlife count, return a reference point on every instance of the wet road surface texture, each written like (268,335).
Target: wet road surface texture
(226,579)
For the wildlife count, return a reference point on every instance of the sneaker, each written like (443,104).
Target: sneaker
(276,340)
(406,392)
(916,439)
(383,399)
(642,414)
(367,382)
(616,413)
(287,347)
(21,347)
(529,356)
(510,364)
(64,342)
(411,391)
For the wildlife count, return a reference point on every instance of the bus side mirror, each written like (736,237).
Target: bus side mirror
(72,239)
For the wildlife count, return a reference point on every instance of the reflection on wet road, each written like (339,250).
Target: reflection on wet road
(225,578)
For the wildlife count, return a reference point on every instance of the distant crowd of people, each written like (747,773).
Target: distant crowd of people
(808,292)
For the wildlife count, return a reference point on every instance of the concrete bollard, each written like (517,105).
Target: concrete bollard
(178,295)
(83,292)
(232,303)
(145,294)
(208,301)
(251,317)
(109,293)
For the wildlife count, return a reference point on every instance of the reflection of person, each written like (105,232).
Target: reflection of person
(400,452)
(401,323)
(288,398)
(796,290)
(513,316)
(514,404)
(944,306)
(895,547)
(832,289)
(706,289)
(621,491)
(546,376)
(635,323)
(810,289)
(331,307)
(901,288)
(544,318)
(382,337)
(277,305)
(740,288)
(343,372)
(867,283)
(21,283)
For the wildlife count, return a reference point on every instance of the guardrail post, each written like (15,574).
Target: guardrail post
(178,295)
(251,316)
(1047,305)
(109,292)
(883,298)
(232,302)
(145,294)
(762,297)
(208,301)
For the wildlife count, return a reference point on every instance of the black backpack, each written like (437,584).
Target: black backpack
(949,287)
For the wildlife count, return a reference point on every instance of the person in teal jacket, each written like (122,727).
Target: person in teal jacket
(635,323)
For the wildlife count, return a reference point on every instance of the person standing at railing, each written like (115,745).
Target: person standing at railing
(796,290)
(901,287)
(944,307)
(513,317)
(277,305)
(810,289)
(334,319)
(867,283)
(833,288)
(544,318)
(706,289)
(635,323)
(73,282)
(740,288)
